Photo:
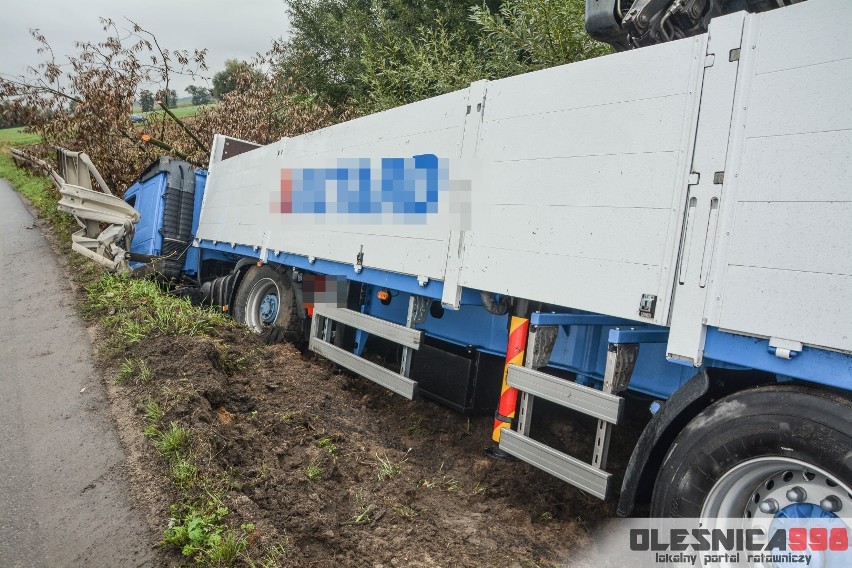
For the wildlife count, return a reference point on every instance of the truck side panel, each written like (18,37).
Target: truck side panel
(242,189)
(590,206)
(787,271)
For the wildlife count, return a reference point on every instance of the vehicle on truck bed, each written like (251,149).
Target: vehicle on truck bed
(672,221)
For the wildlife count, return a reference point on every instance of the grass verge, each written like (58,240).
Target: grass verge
(134,310)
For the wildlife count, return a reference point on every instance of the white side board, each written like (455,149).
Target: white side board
(577,187)
(236,205)
(785,251)
(584,170)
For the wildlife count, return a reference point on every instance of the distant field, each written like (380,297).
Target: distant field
(180,112)
(17,137)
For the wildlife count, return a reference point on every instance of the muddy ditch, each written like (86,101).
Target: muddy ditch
(337,471)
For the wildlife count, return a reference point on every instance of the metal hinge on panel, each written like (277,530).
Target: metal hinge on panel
(359,261)
(647,305)
(709,60)
(693,178)
(734,55)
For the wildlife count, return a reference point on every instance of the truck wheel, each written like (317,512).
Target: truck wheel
(776,451)
(265,302)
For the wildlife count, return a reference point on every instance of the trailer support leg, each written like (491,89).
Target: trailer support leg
(620,360)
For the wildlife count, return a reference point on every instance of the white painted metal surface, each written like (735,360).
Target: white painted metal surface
(784,261)
(705,190)
(236,205)
(584,169)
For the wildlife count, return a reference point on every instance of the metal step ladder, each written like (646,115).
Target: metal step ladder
(321,342)
(606,405)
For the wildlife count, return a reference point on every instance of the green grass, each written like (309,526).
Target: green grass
(387,469)
(137,309)
(313,472)
(328,446)
(134,370)
(180,112)
(199,531)
(17,137)
(183,472)
(172,440)
(363,517)
(153,411)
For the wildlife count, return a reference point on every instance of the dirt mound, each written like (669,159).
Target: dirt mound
(345,473)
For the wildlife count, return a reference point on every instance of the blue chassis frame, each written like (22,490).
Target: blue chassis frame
(581,346)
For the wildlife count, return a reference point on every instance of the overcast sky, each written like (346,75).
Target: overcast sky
(227,28)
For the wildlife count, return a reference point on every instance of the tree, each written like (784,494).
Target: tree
(236,76)
(525,35)
(146,100)
(200,95)
(84,101)
(329,39)
(374,54)
(434,61)
(167,97)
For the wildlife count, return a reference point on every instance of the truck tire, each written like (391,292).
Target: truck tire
(760,453)
(266,303)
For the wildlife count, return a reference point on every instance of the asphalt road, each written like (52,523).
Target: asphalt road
(64,498)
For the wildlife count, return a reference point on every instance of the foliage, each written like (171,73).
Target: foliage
(200,95)
(199,531)
(524,35)
(326,51)
(436,61)
(168,97)
(147,100)
(378,54)
(237,75)
(11,115)
(266,106)
(84,103)
(323,53)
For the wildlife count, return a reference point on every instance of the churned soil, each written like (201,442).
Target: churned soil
(342,472)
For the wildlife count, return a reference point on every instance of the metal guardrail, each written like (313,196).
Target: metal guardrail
(91,208)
